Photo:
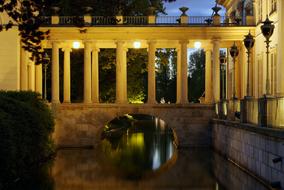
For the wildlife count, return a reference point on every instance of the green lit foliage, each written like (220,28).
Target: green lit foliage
(166,75)
(137,60)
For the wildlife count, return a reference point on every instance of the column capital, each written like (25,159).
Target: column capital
(96,49)
(120,42)
(206,49)
(67,49)
(56,42)
(215,40)
(184,41)
(153,42)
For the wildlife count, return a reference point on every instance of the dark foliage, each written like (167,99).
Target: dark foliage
(26,15)
(26,124)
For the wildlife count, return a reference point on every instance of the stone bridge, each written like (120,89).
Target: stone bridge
(79,125)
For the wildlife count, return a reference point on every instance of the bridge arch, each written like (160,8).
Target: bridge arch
(81,125)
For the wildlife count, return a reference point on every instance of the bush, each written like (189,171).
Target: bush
(26,125)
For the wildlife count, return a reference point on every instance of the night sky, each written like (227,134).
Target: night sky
(196,7)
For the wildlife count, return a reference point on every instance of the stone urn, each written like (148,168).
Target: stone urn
(151,10)
(88,10)
(55,10)
(183,10)
(216,9)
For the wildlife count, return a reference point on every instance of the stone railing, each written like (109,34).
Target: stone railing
(136,20)
(264,112)
(249,111)
(275,112)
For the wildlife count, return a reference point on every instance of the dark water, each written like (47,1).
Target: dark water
(139,152)
(138,145)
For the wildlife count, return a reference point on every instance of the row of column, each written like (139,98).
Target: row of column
(91,73)
(31,75)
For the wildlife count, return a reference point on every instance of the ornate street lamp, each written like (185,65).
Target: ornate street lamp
(234,52)
(46,61)
(249,43)
(223,61)
(267,30)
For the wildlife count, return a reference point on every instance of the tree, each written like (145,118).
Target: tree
(196,75)
(166,75)
(110,7)
(26,14)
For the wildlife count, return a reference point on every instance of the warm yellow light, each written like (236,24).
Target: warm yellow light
(137,45)
(197,45)
(76,45)
(137,140)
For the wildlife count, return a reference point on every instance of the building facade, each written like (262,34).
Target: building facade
(18,72)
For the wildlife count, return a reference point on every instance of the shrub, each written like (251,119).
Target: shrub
(26,125)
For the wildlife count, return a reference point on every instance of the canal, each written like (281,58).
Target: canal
(140,152)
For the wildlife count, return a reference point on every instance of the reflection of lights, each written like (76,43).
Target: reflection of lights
(76,45)
(137,139)
(156,122)
(156,159)
(170,150)
(225,108)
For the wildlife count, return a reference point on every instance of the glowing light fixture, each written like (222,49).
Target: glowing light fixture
(76,45)
(197,45)
(137,45)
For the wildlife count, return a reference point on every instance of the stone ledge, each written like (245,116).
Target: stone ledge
(270,132)
(139,106)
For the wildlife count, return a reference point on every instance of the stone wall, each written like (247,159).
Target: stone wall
(81,125)
(259,150)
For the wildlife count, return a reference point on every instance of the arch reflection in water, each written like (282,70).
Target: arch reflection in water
(138,144)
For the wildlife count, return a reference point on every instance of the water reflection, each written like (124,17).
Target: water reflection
(193,169)
(138,144)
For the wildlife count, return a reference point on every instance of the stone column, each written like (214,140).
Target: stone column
(280,55)
(121,73)
(151,73)
(55,73)
(216,72)
(237,77)
(183,71)
(208,76)
(179,86)
(243,70)
(87,73)
(31,75)
(24,70)
(95,75)
(66,76)
(38,78)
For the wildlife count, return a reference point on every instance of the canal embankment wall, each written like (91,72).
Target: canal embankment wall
(260,151)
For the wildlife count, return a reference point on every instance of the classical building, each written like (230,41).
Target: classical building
(260,75)
(18,72)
